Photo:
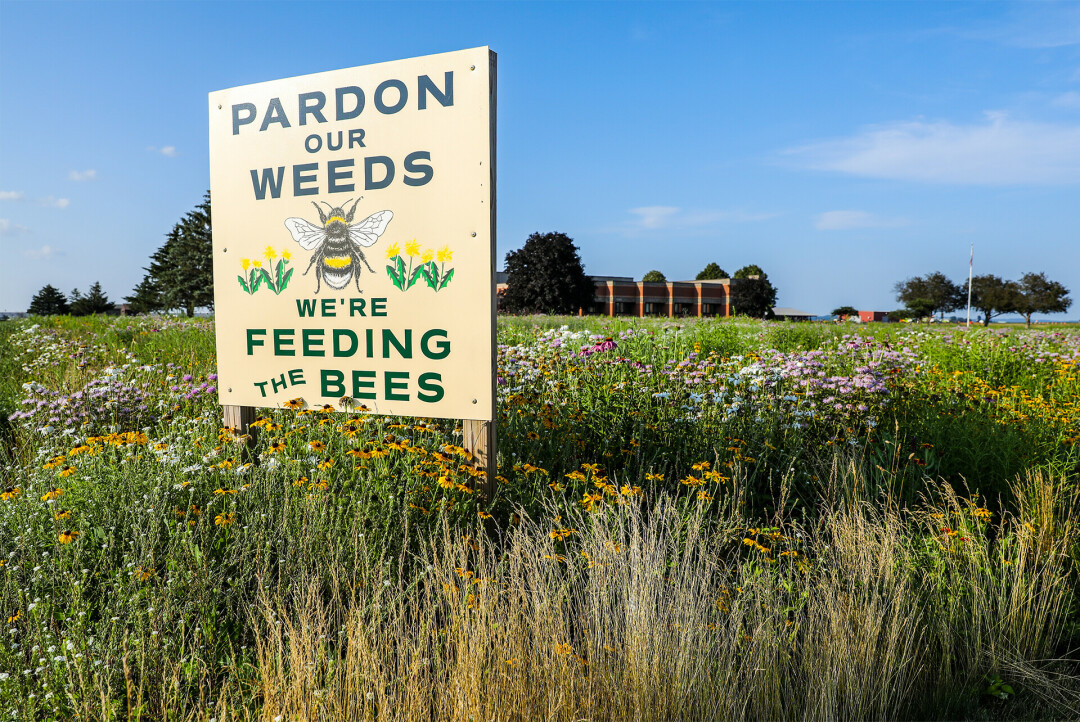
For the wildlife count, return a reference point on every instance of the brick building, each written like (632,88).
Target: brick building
(623,296)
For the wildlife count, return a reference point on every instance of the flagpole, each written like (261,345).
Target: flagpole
(971,267)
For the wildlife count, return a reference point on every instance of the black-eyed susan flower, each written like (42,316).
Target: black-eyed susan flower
(67,536)
(10,492)
(317,445)
(224,519)
(52,494)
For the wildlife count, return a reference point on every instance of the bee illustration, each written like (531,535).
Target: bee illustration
(337,242)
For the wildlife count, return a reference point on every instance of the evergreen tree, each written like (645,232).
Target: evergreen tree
(546,276)
(49,301)
(654,277)
(144,298)
(181,271)
(711,272)
(93,302)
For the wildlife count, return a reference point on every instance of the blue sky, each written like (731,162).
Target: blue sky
(840,146)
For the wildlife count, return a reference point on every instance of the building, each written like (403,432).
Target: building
(623,296)
(791,314)
(872,316)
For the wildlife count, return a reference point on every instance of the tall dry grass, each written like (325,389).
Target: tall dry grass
(658,614)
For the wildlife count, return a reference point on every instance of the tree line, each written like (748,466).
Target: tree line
(991,296)
(179,278)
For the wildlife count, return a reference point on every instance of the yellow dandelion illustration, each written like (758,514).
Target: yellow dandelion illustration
(427,255)
(412,248)
(246,263)
(445,254)
(285,254)
(392,250)
(269,253)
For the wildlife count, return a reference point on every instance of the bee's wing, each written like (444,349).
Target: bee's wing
(306,233)
(367,231)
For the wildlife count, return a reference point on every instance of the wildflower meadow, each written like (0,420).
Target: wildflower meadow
(695,519)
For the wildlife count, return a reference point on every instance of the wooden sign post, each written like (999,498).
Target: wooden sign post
(354,242)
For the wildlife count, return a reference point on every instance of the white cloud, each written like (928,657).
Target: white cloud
(1000,151)
(7,228)
(168,150)
(84,175)
(45,252)
(654,216)
(53,202)
(1070,99)
(11,195)
(849,220)
(650,218)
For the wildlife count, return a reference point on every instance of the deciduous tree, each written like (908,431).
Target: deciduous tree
(546,276)
(1038,294)
(752,294)
(654,277)
(845,311)
(994,296)
(711,272)
(931,293)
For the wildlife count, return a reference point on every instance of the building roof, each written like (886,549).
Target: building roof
(782,311)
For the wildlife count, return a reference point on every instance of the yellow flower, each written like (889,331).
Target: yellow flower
(269,253)
(257,264)
(246,263)
(445,254)
(224,519)
(52,494)
(67,471)
(10,493)
(563,649)
(285,254)
(67,536)
(392,250)
(427,256)
(412,248)
(61,515)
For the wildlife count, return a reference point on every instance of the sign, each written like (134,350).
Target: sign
(354,238)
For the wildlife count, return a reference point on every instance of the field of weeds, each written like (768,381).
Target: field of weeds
(694,520)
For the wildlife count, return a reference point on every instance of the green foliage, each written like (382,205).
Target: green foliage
(92,303)
(546,276)
(49,301)
(711,272)
(654,276)
(845,311)
(933,293)
(994,296)
(1038,294)
(752,294)
(181,271)
(144,298)
(750,271)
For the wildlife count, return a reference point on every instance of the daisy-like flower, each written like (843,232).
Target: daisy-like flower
(445,254)
(294,404)
(412,248)
(67,536)
(224,519)
(10,493)
(52,494)
(317,445)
